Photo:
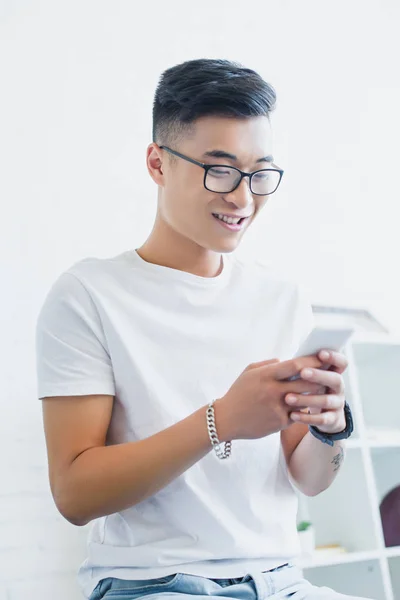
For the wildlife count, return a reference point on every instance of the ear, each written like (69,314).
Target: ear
(154,161)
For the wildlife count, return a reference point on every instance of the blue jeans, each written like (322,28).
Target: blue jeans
(279,584)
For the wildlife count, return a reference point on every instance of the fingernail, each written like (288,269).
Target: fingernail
(324,354)
(307,373)
(295,417)
(291,399)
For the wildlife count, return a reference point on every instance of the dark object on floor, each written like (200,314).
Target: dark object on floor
(390,515)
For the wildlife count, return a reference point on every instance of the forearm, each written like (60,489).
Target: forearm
(314,466)
(105,480)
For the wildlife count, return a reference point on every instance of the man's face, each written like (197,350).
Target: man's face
(184,203)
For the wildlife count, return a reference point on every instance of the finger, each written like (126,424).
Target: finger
(331,379)
(323,401)
(337,360)
(325,419)
(290,368)
(299,386)
(263,363)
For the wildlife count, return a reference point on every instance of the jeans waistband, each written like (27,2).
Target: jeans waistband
(236,580)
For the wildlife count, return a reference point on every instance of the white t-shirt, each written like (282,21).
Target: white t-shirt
(164,343)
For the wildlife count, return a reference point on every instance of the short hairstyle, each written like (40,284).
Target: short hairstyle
(207,87)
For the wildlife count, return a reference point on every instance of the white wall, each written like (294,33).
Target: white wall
(77,80)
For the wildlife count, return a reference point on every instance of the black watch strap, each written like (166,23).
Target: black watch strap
(331,438)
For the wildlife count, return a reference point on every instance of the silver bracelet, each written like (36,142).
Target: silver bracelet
(212,432)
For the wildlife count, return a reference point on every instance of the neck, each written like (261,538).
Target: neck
(168,248)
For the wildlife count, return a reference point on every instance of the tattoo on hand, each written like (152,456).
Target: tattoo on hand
(338,459)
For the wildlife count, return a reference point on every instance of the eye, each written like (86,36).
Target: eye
(220,172)
(261,175)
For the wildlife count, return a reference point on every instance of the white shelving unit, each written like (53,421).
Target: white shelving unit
(348,513)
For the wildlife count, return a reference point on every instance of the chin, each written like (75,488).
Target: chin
(225,246)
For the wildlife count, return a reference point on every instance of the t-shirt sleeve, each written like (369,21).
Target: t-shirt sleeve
(72,358)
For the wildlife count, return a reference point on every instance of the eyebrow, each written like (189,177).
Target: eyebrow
(222,154)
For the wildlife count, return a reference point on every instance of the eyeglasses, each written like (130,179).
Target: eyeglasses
(224,179)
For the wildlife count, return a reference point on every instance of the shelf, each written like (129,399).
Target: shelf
(377,351)
(353,443)
(345,513)
(394,568)
(382,444)
(375,338)
(377,370)
(322,560)
(386,463)
(338,559)
(362,578)
(392,552)
(342,514)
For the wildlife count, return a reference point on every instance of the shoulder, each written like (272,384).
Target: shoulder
(91,269)
(78,288)
(90,275)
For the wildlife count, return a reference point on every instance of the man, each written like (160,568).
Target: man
(171,415)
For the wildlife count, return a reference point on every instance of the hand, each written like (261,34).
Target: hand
(330,417)
(255,405)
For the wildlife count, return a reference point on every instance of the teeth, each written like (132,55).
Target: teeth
(230,220)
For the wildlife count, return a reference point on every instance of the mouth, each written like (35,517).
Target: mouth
(230,222)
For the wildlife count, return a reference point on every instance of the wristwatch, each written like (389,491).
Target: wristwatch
(330,438)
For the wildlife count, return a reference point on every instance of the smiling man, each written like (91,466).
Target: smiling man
(173,418)
(201,218)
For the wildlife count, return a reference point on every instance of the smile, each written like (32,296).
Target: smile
(230,222)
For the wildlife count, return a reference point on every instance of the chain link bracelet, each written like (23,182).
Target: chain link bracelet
(212,432)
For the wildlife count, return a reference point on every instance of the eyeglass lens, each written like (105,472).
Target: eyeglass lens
(224,180)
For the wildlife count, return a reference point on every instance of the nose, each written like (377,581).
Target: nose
(242,196)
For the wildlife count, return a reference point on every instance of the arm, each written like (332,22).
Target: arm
(89,480)
(76,382)
(312,465)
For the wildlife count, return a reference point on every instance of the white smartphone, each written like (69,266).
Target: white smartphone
(323,338)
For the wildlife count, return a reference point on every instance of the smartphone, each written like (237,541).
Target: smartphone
(322,338)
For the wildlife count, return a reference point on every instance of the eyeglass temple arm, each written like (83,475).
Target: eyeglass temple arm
(192,160)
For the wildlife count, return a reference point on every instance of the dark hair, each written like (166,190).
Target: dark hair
(207,87)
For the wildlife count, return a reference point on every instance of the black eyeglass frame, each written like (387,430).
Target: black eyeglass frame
(207,167)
